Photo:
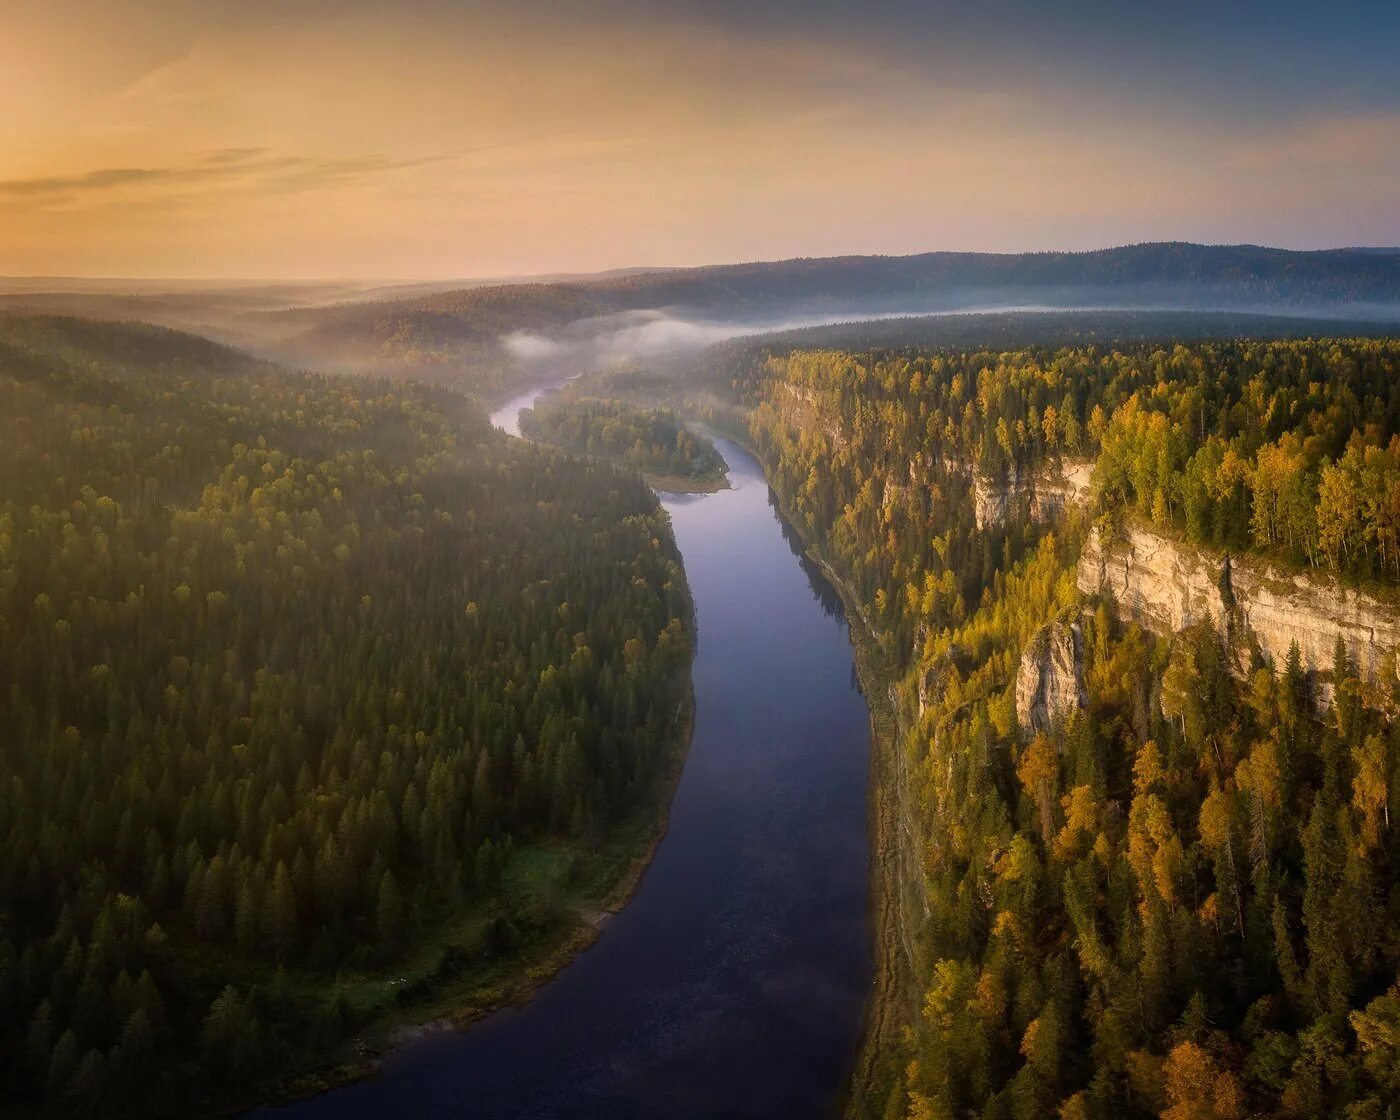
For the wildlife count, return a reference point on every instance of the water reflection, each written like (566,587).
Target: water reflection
(733,983)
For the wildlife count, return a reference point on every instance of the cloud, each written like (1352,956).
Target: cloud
(532,347)
(223,156)
(638,336)
(462,137)
(104,179)
(1351,142)
(254,169)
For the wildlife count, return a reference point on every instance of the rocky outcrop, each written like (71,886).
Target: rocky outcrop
(1067,484)
(1048,491)
(992,500)
(808,409)
(1050,680)
(1168,586)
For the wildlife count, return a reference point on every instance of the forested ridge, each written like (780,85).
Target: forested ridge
(1179,901)
(449,335)
(1290,448)
(651,440)
(299,674)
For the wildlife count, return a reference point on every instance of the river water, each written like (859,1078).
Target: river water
(733,983)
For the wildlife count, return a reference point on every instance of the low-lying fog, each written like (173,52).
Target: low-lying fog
(631,336)
(636,335)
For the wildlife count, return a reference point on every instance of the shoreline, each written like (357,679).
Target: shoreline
(894,1000)
(876,1065)
(474,999)
(893,1003)
(460,1011)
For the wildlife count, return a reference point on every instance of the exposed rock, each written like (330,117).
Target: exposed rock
(1167,586)
(808,409)
(1050,680)
(1054,489)
(1048,491)
(992,499)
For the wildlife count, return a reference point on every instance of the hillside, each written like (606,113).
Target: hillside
(1150,795)
(487,337)
(1176,274)
(322,700)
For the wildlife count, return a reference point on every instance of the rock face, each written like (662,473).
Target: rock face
(1055,489)
(1167,586)
(808,409)
(1050,680)
(1048,490)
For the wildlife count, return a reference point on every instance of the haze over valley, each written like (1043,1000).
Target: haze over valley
(699,560)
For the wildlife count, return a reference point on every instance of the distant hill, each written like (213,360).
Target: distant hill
(1179,272)
(460,332)
(488,337)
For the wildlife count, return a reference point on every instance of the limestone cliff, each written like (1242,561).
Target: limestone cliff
(1167,586)
(1048,490)
(1050,680)
(808,409)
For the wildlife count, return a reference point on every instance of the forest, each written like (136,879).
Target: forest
(654,441)
(299,691)
(1284,447)
(1179,901)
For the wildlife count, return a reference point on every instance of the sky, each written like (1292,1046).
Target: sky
(429,139)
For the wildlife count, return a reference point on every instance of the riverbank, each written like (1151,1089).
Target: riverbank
(455,1002)
(894,875)
(446,983)
(678,484)
(896,880)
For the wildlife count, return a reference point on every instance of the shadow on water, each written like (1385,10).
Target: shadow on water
(822,590)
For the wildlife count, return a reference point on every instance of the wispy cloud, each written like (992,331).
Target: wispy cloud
(253,168)
(62,185)
(223,156)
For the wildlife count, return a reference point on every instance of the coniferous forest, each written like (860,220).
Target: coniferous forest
(324,700)
(1178,897)
(653,441)
(301,675)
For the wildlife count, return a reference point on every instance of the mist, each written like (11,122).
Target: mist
(638,336)
(657,334)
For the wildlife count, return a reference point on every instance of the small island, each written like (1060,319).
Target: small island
(653,441)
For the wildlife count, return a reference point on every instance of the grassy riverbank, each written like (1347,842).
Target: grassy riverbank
(452,978)
(677,484)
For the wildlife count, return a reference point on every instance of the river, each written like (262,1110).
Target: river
(733,983)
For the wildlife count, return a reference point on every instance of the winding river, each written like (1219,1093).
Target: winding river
(733,983)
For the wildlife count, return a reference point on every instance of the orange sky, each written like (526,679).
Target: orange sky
(203,138)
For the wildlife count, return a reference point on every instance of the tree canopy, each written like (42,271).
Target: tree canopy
(1174,903)
(294,668)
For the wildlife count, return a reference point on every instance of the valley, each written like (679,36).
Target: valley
(1120,599)
(699,560)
